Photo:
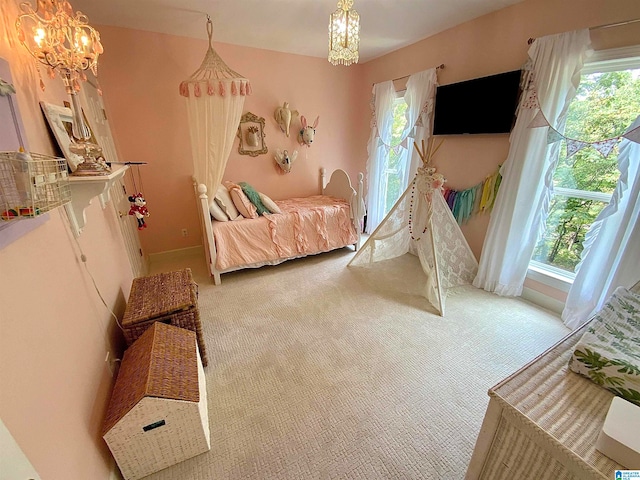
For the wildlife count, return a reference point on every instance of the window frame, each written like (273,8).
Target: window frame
(602,61)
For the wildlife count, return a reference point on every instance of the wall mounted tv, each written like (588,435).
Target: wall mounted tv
(481,105)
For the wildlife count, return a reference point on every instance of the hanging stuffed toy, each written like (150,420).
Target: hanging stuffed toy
(139,209)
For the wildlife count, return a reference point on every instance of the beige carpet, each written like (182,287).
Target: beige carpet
(321,371)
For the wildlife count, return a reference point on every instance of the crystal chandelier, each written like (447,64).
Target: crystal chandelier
(63,41)
(344,34)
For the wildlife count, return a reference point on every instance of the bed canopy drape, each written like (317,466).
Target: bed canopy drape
(215,97)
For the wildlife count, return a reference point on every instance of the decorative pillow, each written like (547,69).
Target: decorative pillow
(224,201)
(609,351)
(216,212)
(240,200)
(270,204)
(254,197)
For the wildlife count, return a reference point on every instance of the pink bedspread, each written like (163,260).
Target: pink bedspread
(306,226)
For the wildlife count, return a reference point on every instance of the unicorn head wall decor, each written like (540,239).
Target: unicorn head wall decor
(307,132)
(284,160)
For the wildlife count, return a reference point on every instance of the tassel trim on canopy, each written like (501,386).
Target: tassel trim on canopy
(214,74)
(238,87)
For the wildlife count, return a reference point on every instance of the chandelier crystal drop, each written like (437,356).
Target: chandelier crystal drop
(344,34)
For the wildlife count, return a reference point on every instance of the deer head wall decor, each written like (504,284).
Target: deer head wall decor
(307,132)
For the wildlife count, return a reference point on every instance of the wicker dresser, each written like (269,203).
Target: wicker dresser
(170,298)
(542,423)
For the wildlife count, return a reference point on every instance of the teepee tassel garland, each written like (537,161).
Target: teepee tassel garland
(477,199)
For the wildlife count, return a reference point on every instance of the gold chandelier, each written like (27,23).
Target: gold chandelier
(64,42)
(344,34)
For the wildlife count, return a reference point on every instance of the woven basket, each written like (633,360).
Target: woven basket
(170,298)
(158,414)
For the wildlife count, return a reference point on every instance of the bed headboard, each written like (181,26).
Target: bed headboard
(339,185)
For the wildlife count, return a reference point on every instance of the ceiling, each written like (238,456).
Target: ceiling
(292,26)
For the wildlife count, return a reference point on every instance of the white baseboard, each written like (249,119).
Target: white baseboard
(542,300)
(176,254)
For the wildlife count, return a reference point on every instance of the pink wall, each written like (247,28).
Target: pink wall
(54,385)
(55,332)
(140,73)
(490,44)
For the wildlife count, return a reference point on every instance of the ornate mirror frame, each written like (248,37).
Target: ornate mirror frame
(251,135)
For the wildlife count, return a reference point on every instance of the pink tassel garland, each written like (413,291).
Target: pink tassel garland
(249,89)
(234,89)
(222,90)
(210,90)
(243,89)
(196,90)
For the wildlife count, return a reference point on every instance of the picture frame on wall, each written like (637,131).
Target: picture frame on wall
(60,120)
(251,135)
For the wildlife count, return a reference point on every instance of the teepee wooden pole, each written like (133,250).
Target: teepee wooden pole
(420,154)
(437,271)
(426,154)
(434,152)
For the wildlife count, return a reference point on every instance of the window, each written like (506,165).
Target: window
(606,103)
(397,162)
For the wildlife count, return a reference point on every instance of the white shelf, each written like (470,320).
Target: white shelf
(84,190)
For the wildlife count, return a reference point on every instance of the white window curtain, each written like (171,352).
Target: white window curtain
(611,254)
(523,199)
(384,95)
(419,96)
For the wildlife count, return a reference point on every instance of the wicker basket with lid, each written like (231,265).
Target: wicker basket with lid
(158,414)
(171,298)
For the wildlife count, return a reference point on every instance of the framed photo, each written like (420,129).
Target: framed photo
(60,120)
(251,135)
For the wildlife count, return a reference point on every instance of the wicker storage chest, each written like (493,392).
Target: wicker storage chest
(542,423)
(170,298)
(158,415)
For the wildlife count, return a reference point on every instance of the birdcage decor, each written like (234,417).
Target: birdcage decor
(31,184)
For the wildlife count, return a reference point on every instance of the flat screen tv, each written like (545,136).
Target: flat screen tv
(481,105)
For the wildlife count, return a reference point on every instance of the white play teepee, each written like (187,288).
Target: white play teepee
(421,223)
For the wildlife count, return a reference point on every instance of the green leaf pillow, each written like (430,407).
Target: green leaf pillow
(254,197)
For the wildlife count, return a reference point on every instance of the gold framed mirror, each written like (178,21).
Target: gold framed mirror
(251,135)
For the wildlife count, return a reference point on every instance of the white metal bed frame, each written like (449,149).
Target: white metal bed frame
(339,186)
